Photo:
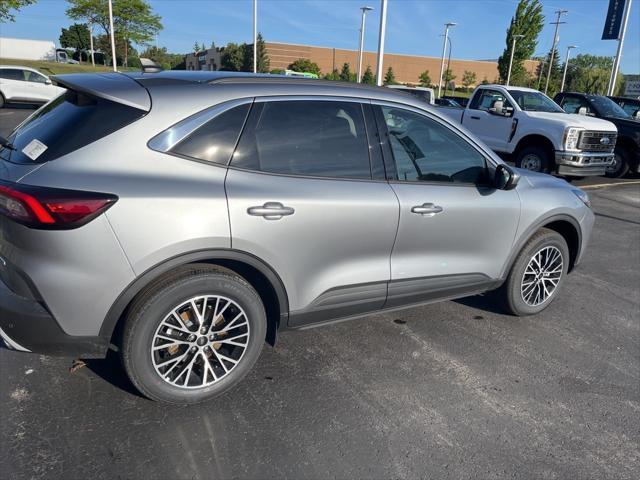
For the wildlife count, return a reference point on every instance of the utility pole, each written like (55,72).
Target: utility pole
(444,52)
(364,14)
(557,23)
(113,38)
(255,36)
(566,63)
(616,62)
(93,60)
(383,26)
(513,48)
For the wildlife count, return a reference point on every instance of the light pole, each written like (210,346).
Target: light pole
(364,14)
(383,26)
(113,38)
(444,51)
(513,48)
(553,47)
(566,63)
(616,62)
(255,36)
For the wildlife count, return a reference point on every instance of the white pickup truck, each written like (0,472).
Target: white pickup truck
(529,128)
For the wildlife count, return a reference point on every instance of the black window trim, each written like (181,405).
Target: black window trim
(481,93)
(335,98)
(490,163)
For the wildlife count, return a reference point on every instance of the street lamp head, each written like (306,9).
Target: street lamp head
(366,9)
(572,46)
(450,24)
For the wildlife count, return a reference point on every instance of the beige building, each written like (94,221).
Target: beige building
(406,68)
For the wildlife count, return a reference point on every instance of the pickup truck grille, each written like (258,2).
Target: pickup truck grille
(597,141)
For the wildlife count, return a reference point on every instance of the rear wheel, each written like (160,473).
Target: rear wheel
(535,159)
(2,101)
(537,274)
(620,165)
(193,336)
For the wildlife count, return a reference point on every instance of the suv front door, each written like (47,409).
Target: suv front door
(305,197)
(456,231)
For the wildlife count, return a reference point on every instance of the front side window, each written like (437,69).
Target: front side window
(426,151)
(486,99)
(534,102)
(630,108)
(34,77)
(215,140)
(305,137)
(574,104)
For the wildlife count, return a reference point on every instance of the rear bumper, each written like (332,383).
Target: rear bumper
(27,326)
(583,164)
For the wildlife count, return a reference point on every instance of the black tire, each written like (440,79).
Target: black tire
(511,295)
(536,159)
(151,309)
(2,102)
(621,167)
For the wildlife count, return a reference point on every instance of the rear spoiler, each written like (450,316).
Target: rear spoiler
(115,87)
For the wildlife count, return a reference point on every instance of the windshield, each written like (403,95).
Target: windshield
(608,108)
(535,102)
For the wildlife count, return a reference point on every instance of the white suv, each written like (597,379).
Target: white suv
(25,85)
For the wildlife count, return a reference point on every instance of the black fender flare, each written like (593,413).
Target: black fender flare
(136,286)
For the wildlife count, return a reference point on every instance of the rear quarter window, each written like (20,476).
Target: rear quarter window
(71,121)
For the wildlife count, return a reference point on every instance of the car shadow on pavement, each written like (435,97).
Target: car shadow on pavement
(111,370)
(485,301)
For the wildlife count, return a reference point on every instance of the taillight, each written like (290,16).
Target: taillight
(51,208)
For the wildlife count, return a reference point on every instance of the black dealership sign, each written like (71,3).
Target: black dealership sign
(614,20)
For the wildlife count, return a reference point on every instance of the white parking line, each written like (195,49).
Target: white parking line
(602,185)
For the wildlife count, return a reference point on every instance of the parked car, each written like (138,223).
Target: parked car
(447,102)
(25,85)
(526,126)
(425,94)
(629,105)
(462,101)
(627,147)
(193,214)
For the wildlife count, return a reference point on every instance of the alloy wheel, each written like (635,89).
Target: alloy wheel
(541,276)
(200,341)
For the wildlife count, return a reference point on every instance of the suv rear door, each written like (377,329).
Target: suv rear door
(456,231)
(307,195)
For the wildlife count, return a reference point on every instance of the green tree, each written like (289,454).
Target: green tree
(485,81)
(6,7)
(334,75)
(468,78)
(133,20)
(345,73)
(556,73)
(448,76)
(590,74)
(305,65)
(196,47)
(277,71)
(368,77)
(527,21)
(232,58)
(262,59)
(425,79)
(76,36)
(390,78)
(213,45)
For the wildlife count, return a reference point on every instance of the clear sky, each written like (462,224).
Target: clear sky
(413,26)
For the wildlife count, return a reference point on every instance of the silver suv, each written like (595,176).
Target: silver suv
(183,218)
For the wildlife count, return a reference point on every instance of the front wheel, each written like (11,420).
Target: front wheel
(537,274)
(535,159)
(620,165)
(193,336)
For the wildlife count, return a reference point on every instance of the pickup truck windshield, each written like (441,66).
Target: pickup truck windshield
(608,108)
(535,102)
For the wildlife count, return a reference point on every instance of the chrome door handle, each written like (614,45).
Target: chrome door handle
(428,209)
(270,211)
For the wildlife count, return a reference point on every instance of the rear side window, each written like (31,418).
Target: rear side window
(306,137)
(216,139)
(12,74)
(68,123)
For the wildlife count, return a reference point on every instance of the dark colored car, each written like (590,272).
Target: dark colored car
(462,101)
(629,105)
(447,102)
(627,151)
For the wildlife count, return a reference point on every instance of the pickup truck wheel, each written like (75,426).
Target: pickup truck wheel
(535,159)
(620,165)
(193,336)
(537,274)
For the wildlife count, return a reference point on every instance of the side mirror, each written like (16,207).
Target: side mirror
(582,111)
(497,107)
(506,178)
(636,115)
(48,82)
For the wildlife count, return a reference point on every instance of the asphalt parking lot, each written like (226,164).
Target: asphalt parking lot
(451,390)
